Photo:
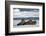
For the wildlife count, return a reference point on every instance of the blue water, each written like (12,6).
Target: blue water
(33,18)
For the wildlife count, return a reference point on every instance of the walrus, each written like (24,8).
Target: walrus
(30,22)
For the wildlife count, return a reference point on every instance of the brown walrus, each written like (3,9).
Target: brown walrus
(30,22)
